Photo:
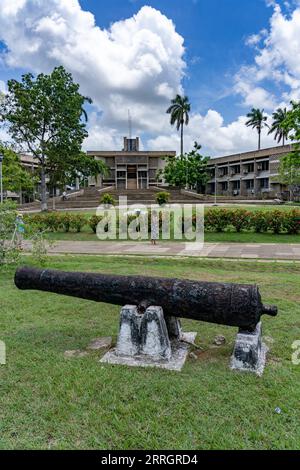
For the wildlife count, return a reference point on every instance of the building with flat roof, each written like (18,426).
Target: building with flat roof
(251,174)
(130,168)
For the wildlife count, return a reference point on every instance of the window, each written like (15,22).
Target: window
(263,166)
(236,185)
(249,168)
(250,184)
(223,171)
(235,170)
(224,186)
(264,183)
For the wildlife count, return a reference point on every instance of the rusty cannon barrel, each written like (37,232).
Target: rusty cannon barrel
(237,305)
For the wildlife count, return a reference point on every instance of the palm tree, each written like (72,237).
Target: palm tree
(179,111)
(281,133)
(257,121)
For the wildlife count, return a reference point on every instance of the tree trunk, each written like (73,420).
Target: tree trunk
(181,148)
(259,138)
(283,141)
(44,205)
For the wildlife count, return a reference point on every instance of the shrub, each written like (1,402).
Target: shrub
(65,222)
(275,220)
(217,219)
(52,221)
(291,221)
(107,199)
(94,221)
(239,219)
(77,222)
(259,221)
(162,197)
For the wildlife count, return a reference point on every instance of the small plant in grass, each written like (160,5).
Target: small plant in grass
(9,252)
(162,198)
(107,200)
(65,222)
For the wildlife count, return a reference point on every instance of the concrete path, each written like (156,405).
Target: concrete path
(280,251)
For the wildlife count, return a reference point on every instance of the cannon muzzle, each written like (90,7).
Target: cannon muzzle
(223,303)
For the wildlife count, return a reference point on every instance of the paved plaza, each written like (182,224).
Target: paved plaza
(278,251)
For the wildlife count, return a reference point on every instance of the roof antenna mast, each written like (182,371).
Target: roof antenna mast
(129,124)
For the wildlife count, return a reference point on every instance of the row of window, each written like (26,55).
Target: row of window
(246,168)
(263,183)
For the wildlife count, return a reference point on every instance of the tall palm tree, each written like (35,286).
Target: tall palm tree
(257,120)
(281,133)
(179,110)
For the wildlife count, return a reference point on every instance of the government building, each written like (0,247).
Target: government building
(251,174)
(248,175)
(130,168)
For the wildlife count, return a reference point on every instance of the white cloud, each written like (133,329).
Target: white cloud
(216,137)
(137,64)
(276,63)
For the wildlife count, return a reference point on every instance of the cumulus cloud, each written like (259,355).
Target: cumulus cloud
(137,64)
(276,63)
(217,138)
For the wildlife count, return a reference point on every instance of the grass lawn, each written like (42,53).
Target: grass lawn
(213,237)
(49,401)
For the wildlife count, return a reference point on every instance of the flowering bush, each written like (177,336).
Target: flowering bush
(259,221)
(240,219)
(78,221)
(217,219)
(291,221)
(276,220)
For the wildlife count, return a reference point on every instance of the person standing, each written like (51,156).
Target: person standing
(154,227)
(20,230)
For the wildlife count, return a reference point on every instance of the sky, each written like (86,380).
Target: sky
(227,56)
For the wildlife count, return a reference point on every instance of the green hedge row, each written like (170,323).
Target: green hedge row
(216,220)
(276,221)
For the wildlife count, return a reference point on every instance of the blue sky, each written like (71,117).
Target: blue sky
(226,55)
(214,32)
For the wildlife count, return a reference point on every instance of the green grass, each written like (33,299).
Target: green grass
(210,237)
(48,401)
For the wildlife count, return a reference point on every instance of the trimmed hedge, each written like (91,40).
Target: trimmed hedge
(216,220)
(276,221)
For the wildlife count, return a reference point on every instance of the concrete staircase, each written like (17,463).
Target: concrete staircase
(91,198)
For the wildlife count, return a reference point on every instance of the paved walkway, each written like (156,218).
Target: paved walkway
(279,251)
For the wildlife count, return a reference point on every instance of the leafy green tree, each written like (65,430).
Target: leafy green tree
(257,120)
(289,168)
(179,111)
(44,114)
(15,177)
(277,127)
(191,167)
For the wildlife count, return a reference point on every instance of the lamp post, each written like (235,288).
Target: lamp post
(216,184)
(1,179)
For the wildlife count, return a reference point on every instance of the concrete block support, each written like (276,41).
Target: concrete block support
(249,351)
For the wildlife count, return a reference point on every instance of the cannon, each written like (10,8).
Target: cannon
(228,304)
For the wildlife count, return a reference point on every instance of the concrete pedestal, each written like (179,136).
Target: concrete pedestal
(149,339)
(249,351)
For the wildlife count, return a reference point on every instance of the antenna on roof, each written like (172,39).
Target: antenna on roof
(129,124)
